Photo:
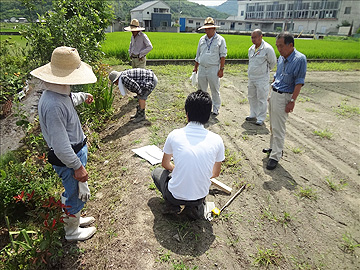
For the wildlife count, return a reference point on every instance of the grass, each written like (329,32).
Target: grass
(349,244)
(231,164)
(324,134)
(307,193)
(346,110)
(333,186)
(267,257)
(284,220)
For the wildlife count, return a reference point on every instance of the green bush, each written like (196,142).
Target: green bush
(75,23)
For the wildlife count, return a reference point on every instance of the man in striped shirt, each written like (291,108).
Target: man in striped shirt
(288,80)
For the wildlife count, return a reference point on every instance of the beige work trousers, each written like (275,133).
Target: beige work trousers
(278,117)
(137,63)
(208,76)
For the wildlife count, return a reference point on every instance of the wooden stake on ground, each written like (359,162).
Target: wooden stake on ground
(221,186)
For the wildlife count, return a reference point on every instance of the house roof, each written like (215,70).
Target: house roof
(146,5)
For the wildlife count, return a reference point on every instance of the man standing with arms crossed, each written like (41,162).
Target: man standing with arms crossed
(288,80)
(140,45)
(262,59)
(210,59)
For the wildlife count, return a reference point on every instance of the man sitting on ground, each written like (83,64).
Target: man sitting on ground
(197,154)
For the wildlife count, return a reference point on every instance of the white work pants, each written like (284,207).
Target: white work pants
(208,76)
(258,91)
(278,117)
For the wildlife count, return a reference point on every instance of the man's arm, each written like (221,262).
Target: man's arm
(196,67)
(221,70)
(216,169)
(148,47)
(166,162)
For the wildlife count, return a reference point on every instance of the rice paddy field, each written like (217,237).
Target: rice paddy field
(184,45)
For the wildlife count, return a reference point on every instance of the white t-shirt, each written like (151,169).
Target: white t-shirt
(195,151)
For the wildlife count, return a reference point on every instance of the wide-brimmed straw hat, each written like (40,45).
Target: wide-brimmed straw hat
(209,23)
(65,68)
(134,26)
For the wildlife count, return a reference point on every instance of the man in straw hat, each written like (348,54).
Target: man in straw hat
(140,45)
(137,80)
(210,60)
(62,131)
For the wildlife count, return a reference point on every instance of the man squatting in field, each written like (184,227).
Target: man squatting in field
(210,59)
(62,132)
(140,45)
(137,80)
(262,59)
(197,154)
(288,80)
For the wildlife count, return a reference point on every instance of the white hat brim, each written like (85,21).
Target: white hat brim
(82,75)
(208,26)
(133,29)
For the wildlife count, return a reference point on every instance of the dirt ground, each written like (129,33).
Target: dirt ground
(270,215)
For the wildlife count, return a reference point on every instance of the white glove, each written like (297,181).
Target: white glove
(84,191)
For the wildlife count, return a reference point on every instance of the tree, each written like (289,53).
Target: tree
(75,23)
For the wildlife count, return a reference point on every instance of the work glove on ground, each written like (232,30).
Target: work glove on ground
(84,191)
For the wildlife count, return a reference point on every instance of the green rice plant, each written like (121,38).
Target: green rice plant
(117,44)
(243,101)
(346,110)
(245,137)
(349,244)
(267,257)
(303,99)
(307,193)
(324,134)
(296,150)
(180,265)
(310,110)
(152,186)
(231,164)
(335,187)
(164,256)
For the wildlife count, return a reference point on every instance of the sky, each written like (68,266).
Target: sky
(208,2)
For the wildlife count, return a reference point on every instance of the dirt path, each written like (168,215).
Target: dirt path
(269,214)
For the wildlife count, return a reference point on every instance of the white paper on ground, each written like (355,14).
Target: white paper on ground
(151,153)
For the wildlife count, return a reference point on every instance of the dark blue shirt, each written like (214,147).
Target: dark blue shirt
(290,72)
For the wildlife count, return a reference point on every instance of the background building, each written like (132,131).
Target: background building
(154,15)
(306,16)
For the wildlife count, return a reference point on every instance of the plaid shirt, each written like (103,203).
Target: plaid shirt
(138,80)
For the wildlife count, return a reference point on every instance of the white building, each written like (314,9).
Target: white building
(306,16)
(152,15)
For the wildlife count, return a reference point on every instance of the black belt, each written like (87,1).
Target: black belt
(280,92)
(134,56)
(79,146)
(54,160)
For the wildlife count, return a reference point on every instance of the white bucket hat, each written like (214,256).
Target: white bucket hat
(209,23)
(113,77)
(134,26)
(65,68)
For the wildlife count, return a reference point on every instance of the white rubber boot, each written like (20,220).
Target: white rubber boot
(84,221)
(75,233)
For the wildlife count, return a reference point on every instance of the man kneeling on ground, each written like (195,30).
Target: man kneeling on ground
(197,154)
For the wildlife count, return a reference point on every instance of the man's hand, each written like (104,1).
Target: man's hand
(89,98)
(290,107)
(220,73)
(84,191)
(81,174)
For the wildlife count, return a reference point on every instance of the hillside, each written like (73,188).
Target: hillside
(229,7)
(121,8)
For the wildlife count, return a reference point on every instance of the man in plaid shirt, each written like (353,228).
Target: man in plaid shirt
(138,80)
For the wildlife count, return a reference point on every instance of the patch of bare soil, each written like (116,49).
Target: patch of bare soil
(268,215)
